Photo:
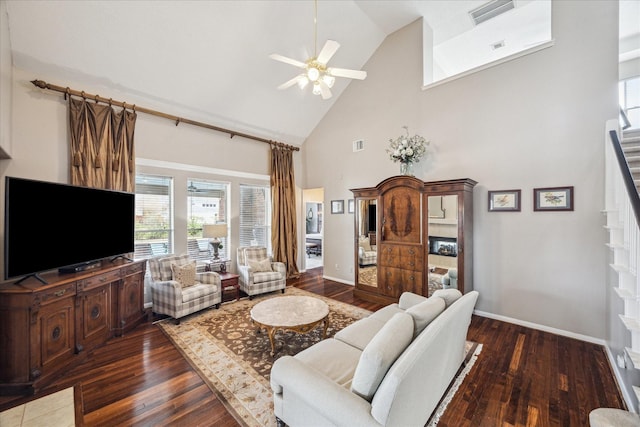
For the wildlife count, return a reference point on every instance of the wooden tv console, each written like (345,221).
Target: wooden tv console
(44,329)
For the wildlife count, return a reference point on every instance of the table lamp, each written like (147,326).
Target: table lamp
(214,232)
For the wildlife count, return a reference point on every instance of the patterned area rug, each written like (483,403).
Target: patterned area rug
(368,275)
(225,348)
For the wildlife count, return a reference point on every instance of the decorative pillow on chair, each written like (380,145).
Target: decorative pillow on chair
(364,243)
(184,274)
(260,265)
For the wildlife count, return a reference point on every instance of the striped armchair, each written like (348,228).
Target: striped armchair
(258,274)
(170,298)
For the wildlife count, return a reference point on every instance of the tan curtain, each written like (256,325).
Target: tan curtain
(284,238)
(101,144)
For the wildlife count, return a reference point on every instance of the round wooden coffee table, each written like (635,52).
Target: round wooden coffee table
(300,314)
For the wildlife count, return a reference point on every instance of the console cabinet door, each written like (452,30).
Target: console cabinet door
(130,298)
(53,332)
(93,318)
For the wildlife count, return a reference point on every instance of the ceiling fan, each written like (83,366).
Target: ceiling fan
(315,69)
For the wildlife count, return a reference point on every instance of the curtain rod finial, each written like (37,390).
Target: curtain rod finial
(39,83)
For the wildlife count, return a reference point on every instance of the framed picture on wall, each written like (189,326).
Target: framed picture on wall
(351,206)
(504,200)
(337,206)
(553,199)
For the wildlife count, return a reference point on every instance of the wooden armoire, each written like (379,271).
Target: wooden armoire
(400,206)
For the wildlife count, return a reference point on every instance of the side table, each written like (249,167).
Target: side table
(230,281)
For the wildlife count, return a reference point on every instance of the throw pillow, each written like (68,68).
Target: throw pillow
(184,274)
(260,265)
(448,295)
(425,312)
(364,242)
(381,352)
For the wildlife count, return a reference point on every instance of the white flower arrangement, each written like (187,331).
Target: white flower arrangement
(407,149)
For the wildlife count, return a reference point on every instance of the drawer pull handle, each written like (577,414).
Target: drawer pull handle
(60,293)
(103,279)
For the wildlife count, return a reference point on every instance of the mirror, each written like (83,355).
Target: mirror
(436,209)
(366,224)
(443,242)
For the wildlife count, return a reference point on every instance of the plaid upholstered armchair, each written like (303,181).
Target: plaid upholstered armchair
(258,274)
(177,290)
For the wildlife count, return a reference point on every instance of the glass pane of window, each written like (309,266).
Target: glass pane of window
(206,204)
(154,217)
(629,94)
(255,216)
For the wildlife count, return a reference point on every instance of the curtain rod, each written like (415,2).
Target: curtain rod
(97,98)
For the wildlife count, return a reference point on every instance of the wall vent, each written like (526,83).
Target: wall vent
(358,145)
(490,10)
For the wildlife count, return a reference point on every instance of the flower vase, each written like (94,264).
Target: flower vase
(406,168)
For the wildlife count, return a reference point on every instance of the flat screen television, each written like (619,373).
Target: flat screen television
(50,225)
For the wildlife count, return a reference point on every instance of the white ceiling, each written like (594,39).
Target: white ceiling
(208,60)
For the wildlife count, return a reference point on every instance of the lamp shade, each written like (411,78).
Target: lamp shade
(214,230)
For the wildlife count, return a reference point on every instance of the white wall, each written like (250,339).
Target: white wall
(536,121)
(39,140)
(5,83)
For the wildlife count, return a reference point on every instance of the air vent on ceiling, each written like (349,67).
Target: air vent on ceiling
(358,145)
(490,10)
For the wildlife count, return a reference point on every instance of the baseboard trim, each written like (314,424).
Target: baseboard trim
(335,279)
(544,328)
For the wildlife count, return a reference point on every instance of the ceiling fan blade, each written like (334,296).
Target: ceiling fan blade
(286,60)
(343,72)
(325,92)
(289,83)
(330,47)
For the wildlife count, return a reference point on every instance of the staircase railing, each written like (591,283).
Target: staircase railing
(627,177)
(623,219)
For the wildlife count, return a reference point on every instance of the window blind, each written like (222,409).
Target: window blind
(255,216)
(207,203)
(154,216)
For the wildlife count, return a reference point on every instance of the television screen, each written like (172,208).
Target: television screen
(49,225)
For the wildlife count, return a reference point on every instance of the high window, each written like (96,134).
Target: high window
(207,203)
(629,95)
(255,216)
(154,216)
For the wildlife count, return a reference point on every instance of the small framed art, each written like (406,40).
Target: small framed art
(553,199)
(337,206)
(504,200)
(351,206)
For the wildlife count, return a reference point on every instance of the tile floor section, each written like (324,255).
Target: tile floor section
(53,410)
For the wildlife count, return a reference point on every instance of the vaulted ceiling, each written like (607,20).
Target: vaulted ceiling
(209,60)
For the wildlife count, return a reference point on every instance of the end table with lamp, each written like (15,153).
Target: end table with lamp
(214,232)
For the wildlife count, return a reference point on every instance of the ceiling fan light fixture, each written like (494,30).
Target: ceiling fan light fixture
(316,88)
(328,80)
(303,81)
(313,73)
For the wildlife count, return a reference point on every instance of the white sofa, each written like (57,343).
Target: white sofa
(388,369)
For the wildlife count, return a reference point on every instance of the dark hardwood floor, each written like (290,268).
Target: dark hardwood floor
(523,377)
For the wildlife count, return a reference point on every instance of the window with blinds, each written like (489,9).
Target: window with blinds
(255,216)
(154,216)
(207,203)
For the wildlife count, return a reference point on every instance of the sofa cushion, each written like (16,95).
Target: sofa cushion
(448,295)
(380,353)
(332,358)
(360,333)
(184,274)
(423,313)
(386,313)
(409,299)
